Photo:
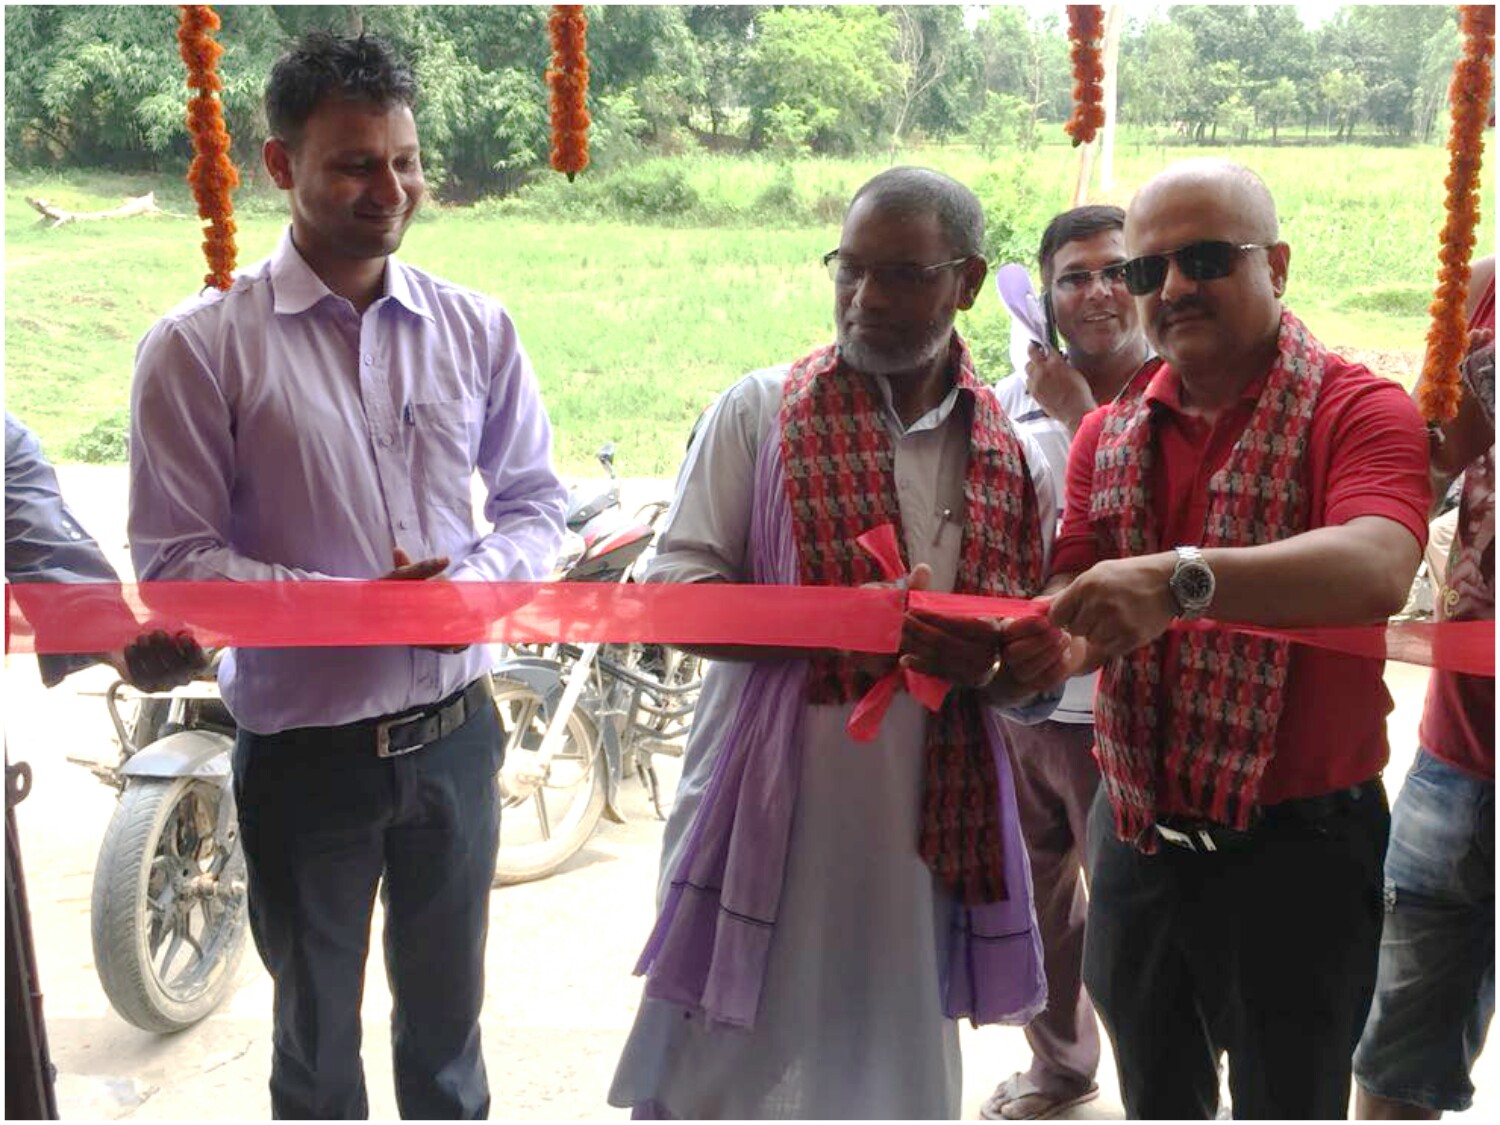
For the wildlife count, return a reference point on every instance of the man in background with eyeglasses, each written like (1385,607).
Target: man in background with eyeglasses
(1082,259)
(1236,844)
(830,907)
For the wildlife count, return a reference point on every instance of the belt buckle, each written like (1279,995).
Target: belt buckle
(1198,840)
(383,739)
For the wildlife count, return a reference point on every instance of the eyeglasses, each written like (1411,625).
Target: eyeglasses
(899,275)
(1199,261)
(1078,280)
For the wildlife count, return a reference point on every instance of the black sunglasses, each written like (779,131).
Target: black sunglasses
(1198,261)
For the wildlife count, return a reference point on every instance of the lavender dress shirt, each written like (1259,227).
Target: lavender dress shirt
(279,435)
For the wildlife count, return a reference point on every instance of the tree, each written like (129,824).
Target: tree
(1434,76)
(721,34)
(826,68)
(1344,95)
(1006,119)
(922,61)
(1158,69)
(1276,103)
(1215,85)
(1026,60)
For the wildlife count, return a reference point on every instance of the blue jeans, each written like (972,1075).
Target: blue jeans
(325,822)
(1435,992)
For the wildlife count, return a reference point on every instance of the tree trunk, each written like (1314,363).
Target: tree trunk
(56,216)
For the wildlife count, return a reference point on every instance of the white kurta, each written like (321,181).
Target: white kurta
(851,1020)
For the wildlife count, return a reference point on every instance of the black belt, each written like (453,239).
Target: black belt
(1206,836)
(394,735)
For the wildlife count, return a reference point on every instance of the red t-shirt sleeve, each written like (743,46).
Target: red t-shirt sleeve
(1377,459)
(1076,548)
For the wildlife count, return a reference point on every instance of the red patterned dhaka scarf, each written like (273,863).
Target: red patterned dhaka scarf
(840,482)
(1225,697)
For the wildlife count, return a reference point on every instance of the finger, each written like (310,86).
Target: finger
(921,577)
(1017,628)
(1030,656)
(918,637)
(419,571)
(402,559)
(984,629)
(1061,609)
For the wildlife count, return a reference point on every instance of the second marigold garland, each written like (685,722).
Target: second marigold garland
(212,174)
(568,76)
(1448,337)
(1085,29)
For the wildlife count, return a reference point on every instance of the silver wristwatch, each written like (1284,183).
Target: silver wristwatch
(1191,584)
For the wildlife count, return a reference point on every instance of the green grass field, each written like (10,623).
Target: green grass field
(638,299)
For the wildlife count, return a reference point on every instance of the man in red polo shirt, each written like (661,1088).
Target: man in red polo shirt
(1237,841)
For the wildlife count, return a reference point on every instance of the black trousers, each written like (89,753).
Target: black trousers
(1266,952)
(325,822)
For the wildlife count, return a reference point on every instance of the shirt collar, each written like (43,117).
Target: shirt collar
(1165,389)
(296,288)
(929,421)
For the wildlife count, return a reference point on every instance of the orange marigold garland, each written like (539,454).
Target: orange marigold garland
(1448,337)
(212,174)
(1085,30)
(569,78)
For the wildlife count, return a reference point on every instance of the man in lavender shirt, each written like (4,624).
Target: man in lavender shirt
(323,420)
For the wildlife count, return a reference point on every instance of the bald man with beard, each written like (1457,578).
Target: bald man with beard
(1237,839)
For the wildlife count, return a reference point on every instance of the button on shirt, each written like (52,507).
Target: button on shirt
(277,435)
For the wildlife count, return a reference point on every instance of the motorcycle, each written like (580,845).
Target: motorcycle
(168,911)
(168,914)
(579,719)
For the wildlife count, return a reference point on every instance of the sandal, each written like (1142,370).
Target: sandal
(1018,1099)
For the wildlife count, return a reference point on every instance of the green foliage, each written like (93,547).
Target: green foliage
(1390,300)
(1007,120)
(103,443)
(660,192)
(634,326)
(101,86)
(824,69)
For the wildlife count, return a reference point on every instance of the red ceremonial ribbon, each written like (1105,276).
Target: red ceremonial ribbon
(46,617)
(930,691)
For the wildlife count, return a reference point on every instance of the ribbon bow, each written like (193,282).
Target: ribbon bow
(930,691)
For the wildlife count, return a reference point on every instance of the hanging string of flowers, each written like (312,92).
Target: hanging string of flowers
(568,76)
(1085,29)
(212,173)
(1448,337)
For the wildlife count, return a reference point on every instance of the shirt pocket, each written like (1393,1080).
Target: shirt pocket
(443,437)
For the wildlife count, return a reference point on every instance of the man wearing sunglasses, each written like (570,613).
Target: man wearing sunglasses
(831,906)
(1082,259)
(1236,846)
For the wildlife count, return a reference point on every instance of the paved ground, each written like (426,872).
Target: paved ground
(560,996)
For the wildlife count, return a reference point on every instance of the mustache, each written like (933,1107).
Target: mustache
(1176,308)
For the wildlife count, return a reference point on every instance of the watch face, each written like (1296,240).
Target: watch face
(1195,585)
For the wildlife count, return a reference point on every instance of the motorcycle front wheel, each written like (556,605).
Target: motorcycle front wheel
(168,916)
(542,825)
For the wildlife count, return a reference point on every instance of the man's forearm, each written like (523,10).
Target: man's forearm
(1354,574)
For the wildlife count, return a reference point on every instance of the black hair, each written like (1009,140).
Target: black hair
(1070,226)
(921,191)
(322,65)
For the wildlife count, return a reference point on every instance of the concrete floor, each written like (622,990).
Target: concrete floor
(560,997)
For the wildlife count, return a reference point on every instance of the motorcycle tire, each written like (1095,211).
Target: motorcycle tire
(146,920)
(533,846)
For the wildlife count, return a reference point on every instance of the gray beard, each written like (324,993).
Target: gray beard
(894,361)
